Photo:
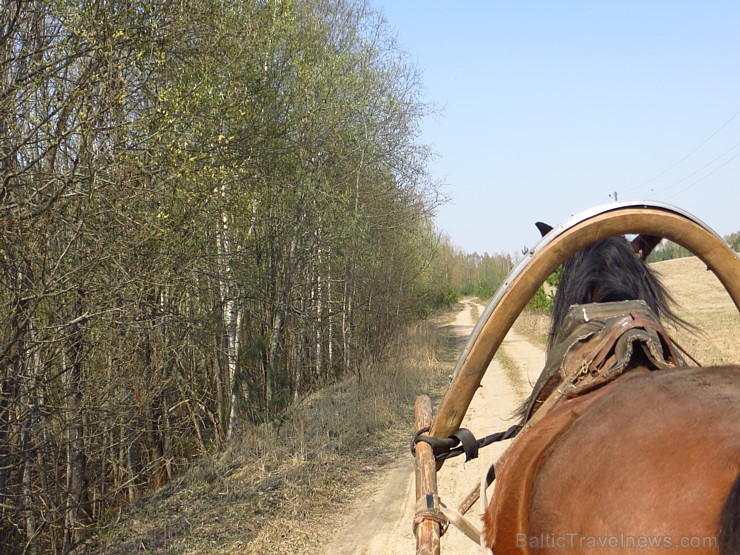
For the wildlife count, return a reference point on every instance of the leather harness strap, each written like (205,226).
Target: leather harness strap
(610,353)
(597,344)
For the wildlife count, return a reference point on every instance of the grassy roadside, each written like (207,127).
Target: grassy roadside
(277,487)
(534,325)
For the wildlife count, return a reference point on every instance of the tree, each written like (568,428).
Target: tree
(209,209)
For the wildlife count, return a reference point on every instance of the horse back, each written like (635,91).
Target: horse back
(646,461)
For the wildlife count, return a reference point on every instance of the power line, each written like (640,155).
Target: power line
(692,174)
(665,171)
(702,178)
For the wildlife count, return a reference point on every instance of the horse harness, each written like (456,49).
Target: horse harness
(597,343)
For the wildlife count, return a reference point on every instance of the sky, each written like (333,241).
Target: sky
(549,108)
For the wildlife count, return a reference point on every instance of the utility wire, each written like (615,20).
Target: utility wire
(692,174)
(702,178)
(665,171)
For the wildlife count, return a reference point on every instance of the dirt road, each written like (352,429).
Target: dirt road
(380,521)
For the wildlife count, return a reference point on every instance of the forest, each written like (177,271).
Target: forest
(209,209)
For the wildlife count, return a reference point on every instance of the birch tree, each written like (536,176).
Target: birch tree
(209,210)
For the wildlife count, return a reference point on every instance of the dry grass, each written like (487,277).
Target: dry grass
(277,487)
(703,302)
(533,325)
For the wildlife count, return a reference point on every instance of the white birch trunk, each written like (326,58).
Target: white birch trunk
(319,317)
(330,322)
(231,311)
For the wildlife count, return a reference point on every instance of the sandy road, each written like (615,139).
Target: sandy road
(380,520)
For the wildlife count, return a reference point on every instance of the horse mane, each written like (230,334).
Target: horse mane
(609,270)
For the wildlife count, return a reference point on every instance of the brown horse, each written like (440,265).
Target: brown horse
(626,449)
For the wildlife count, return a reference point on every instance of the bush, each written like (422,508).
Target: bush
(483,289)
(541,301)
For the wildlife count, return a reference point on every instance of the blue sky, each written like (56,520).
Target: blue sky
(548,108)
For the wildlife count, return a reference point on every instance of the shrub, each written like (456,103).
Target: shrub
(541,301)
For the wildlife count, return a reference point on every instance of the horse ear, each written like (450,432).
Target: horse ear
(643,245)
(544,228)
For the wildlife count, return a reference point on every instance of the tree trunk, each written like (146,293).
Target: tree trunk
(232,310)
(75,512)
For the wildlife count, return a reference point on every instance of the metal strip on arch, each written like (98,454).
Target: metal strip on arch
(644,217)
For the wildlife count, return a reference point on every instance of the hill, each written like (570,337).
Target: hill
(703,302)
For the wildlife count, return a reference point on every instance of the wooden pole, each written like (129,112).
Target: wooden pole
(427,531)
